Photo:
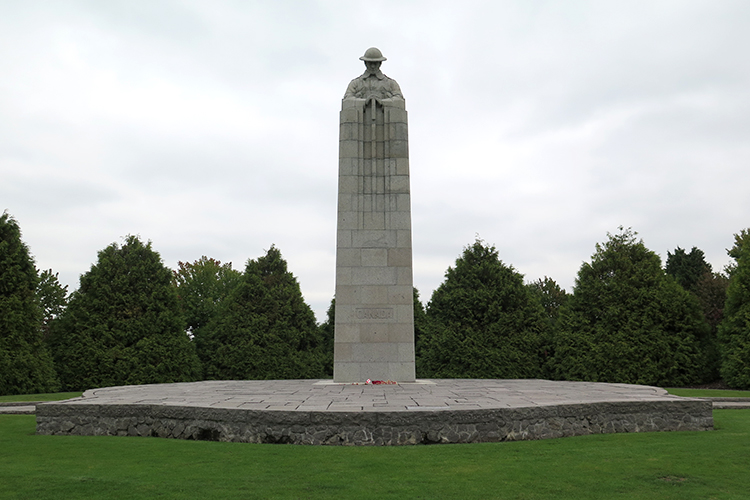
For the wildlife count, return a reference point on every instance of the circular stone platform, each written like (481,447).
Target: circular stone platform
(321,412)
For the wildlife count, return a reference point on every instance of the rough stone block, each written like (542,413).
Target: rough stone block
(375,352)
(404,276)
(373,220)
(402,166)
(374,239)
(404,313)
(347,202)
(396,115)
(406,351)
(399,220)
(375,257)
(344,238)
(399,149)
(347,372)
(399,257)
(372,333)
(399,333)
(348,220)
(400,295)
(374,276)
(374,371)
(373,295)
(348,294)
(545,410)
(343,277)
(403,238)
(350,149)
(348,257)
(398,131)
(403,202)
(399,184)
(342,351)
(349,131)
(351,113)
(350,166)
(372,184)
(349,184)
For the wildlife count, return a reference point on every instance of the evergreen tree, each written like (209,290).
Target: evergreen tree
(265,329)
(711,291)
(550,295)
(25,364)
(123,325)
(734,331)
(482,321)
(53,298)
(695,275)
(740,240)
(628,322)
(687,268)
(201,287)
(420,320)
(327,334)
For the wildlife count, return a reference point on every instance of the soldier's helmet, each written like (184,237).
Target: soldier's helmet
(373,54)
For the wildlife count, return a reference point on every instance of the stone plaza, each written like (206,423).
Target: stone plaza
(325,413)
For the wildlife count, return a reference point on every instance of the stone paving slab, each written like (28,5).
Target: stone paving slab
(303,395)
(321,412)
(18,408)
(730,405)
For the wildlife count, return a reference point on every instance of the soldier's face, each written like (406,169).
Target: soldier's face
(372,65)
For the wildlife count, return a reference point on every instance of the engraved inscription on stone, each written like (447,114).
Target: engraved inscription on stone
(369,313)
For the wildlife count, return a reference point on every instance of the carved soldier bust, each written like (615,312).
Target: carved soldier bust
(373,84)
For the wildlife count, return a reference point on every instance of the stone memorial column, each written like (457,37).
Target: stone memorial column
(374,328)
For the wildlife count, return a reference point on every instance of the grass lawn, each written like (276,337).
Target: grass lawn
(709,393)
(55,396)
(668,465)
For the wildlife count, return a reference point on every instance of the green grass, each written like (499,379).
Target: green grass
(709,393)
(669,465)
(56,396)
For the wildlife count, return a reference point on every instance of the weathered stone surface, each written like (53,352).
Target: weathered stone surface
(373,249)
(18,407)
(503,411)
(355,428)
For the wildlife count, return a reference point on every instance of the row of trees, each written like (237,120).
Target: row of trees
(133,321)
(628,320)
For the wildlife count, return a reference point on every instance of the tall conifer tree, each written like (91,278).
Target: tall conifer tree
(734,331)
(25,364)
(687,268)
(124,324)
(264,330)
(482,322)
(695,275)
(202,286)
(53,298)
(628,322)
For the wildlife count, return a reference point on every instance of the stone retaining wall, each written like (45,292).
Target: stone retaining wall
(373,428)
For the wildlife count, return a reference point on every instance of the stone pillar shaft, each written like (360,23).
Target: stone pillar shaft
(374,328)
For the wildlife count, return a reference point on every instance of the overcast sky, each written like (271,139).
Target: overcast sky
(211,127)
